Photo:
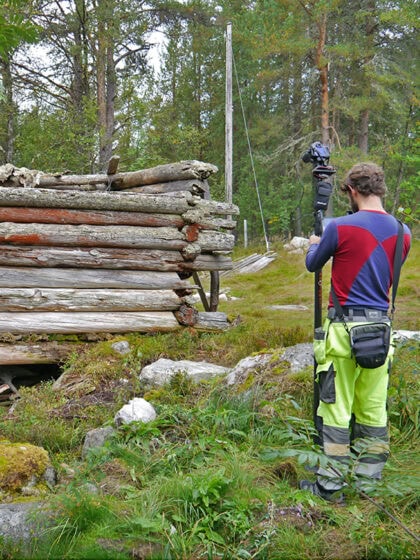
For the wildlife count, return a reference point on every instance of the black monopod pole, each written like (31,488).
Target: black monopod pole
(319,155)
(317,325)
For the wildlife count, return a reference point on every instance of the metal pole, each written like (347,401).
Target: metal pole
(228,116)
(245,234)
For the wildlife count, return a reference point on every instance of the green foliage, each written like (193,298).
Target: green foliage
(15,25)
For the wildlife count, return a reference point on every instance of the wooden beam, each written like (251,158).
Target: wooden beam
(179,171)
(87,322)
(92,236)
(126,202)
(30,277)
(113,165)
(109,257)
(42,353)
(64,299)
(94,217)
(192,185)
(211,321)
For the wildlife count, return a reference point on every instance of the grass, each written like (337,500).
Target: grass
(215,475)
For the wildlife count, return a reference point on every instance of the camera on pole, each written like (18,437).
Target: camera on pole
(319,155)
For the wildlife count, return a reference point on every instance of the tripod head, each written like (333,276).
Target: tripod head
(319,155)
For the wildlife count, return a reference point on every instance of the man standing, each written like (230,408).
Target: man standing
(362,246)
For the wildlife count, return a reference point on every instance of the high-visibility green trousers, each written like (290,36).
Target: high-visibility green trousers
(352,405)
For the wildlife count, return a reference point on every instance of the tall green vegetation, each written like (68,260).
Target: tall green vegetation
(304,71)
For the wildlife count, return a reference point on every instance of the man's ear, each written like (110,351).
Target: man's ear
(353,191)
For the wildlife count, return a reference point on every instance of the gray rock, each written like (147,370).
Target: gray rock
(299,356)
(243,368)
(122,347)
(20,522)
(161,371)
(96,438)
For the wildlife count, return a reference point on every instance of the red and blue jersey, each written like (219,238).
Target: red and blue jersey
(362,246)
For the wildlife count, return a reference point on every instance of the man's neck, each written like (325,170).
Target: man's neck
(371,202)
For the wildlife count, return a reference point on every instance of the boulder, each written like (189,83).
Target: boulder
(298,245)
(161,371)
(21,522)
(24,469)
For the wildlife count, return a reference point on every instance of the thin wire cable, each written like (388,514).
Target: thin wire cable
(267,244)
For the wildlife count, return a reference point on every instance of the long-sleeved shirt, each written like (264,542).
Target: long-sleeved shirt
(362,246)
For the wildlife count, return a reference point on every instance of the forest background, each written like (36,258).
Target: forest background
(78,84)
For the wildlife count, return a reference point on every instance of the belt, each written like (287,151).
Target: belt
(358,314)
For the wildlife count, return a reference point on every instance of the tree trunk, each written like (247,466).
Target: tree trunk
(322,66)
(8,108)
(363,131)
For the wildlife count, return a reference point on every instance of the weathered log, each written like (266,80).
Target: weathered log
(211,321)
(92,236)
(125,202)
(43,353)
(113,165)
(99,187)
(112,258)
(193,185)
(60,299)
(180,171)
(30,277)
(215,207)
(21,215)
(111,236)
(87,322)
(183,170)
(209,262)
(215,241)
(217,223)
(187,315)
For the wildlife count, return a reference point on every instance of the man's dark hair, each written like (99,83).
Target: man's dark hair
(366,178)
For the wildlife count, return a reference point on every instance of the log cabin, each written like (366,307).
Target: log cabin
(107,253)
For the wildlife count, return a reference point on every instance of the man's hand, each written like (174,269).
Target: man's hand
(314,240)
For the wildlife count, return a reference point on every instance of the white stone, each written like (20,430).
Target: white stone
(161,371)
(298,244)
(136,410)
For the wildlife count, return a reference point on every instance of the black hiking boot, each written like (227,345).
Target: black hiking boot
(317,490)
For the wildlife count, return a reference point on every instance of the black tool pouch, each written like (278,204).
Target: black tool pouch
(370,344)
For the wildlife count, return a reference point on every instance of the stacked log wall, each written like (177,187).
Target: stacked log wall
(114,259)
